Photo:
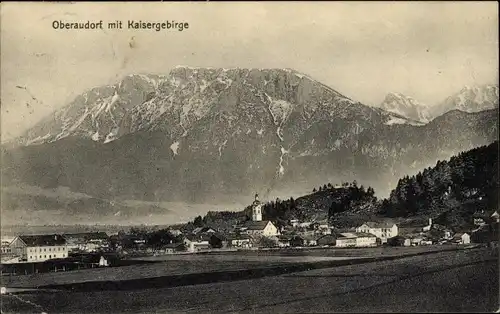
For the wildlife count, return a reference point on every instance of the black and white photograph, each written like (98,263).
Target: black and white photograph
(249,157)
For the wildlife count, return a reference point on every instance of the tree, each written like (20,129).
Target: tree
(198,222)
(314,190)
(267,242)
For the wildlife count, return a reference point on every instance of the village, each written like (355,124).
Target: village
(255,234)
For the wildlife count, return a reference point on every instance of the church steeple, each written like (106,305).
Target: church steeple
(256,209)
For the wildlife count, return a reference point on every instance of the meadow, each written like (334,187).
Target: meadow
(456,281)
(182,269)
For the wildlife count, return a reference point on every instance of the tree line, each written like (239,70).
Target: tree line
(471,175)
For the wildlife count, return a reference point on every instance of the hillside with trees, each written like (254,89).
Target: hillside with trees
(326,202)
(452,191)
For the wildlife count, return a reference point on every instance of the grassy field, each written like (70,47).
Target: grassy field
(176,265)
(458,281)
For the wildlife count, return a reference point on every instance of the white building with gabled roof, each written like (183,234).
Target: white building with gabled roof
(382,230)
(261,228)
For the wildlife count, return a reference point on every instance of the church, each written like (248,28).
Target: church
(257,226)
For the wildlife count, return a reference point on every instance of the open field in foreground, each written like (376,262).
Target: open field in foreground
(180,265)
(465,280)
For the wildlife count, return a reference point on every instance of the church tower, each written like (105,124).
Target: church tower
(256,209)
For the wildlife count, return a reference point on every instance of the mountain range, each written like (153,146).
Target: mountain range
(201,135)
(469,99)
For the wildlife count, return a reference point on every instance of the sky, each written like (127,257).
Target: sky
(426,50)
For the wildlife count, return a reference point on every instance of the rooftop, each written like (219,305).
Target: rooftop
(198,237)
(382,224)
(86,235)
(256,225)
(202,230)
(43,240)
(356,235)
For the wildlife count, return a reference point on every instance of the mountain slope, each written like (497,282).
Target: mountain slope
(197,135)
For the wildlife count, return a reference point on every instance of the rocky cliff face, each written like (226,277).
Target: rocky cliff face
(200,134)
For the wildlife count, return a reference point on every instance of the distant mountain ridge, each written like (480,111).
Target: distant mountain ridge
(198,134)
(469,99)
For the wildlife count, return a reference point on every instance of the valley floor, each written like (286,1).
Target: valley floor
(451,281)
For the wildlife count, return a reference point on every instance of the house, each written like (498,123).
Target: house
(196,243)
(294,222)
(328,239)
(416,240)
(261,228)
(346,240)
(461,238)
(310,240)
(205,230)
(171,248)
(218,241)
(296,241)
(39,248)
(495,217)
(103,262)
(303,240)
(365,239)
(284,241)
(175,232)
(88,242)
(428,227)
(305,225)
(447,235)
(399,241)
(6,247)
(324,228)
(485,233)
(479,218)
(478,221)
(382,230)
(240,241)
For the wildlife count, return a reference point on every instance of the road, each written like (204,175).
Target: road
(463,281)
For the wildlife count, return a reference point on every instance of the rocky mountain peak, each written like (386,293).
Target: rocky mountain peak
(470,99)
(180,98)
(406,106)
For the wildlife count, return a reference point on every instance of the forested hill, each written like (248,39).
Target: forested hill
(451,191)
(349,201)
